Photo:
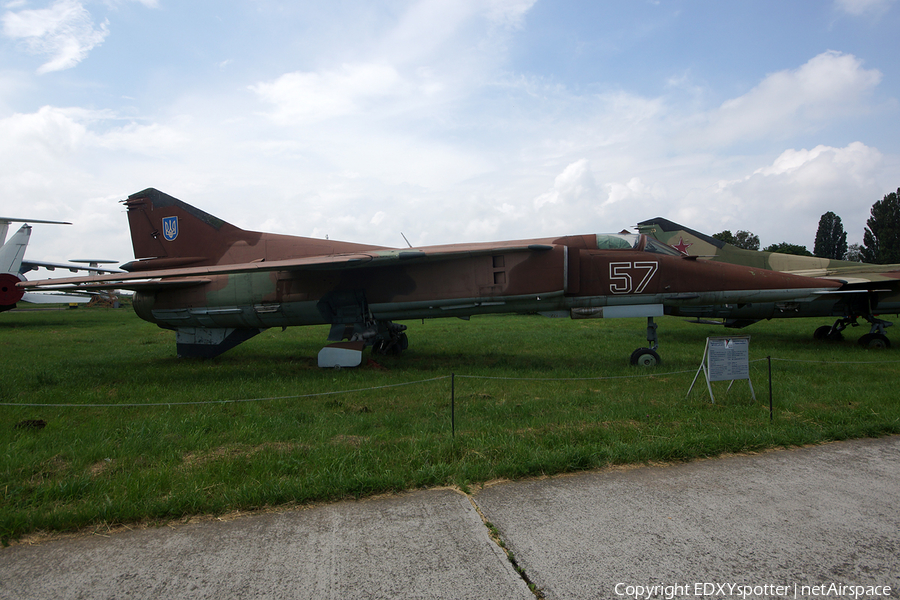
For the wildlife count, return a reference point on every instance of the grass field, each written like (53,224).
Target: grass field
(134,435)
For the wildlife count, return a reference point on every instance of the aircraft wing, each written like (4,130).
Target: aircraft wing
(188,276)
(861,278)
(92,285)
(31,265)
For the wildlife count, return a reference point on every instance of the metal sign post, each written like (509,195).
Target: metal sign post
(725,359)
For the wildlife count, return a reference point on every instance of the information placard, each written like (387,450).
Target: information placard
(725,359)
(728,358)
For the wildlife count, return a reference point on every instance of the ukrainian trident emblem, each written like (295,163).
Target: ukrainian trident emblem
(170,228)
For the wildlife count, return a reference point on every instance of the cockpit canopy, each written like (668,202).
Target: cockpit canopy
(633,241)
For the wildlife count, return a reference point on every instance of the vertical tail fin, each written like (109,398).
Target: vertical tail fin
(166,233)
(13,251)
(11,255)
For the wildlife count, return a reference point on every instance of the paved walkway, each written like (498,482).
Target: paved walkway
(773,525)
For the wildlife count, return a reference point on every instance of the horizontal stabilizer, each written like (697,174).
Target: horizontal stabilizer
(5,222)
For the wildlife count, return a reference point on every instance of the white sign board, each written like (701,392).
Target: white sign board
(725,359)
(728,358)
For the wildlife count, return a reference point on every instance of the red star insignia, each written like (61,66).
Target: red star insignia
(681,246)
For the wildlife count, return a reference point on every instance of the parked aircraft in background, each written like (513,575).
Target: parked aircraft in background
(867,291)
(217,285)
(14,265)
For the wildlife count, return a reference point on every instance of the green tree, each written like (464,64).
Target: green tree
(855,253)
(725,236)
(831,239)
(882,236)
(785,248)
(741,239)
(746,240)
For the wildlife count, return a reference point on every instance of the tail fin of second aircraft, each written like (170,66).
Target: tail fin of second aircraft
(672,233)
(11,255)
(13,251)
(694,243)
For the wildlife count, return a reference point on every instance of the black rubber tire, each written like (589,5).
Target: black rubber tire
(875,341)
(825,333)
(645,357)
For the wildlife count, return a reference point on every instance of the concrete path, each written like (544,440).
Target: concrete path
(819,522)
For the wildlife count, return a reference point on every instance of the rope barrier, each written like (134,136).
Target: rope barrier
(420,381)
(573,378)
(842,362)
(199,402)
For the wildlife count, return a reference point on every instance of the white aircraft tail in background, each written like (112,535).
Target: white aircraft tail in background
(13,266)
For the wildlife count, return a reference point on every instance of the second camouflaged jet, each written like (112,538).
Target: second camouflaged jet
(867,291)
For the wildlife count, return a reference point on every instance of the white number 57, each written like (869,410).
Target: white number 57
(623,274)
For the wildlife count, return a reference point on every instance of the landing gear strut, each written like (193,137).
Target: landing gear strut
(385,338)
(390,339)
(648,357)
(876,337)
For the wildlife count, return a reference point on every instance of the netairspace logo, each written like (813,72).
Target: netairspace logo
(740,590)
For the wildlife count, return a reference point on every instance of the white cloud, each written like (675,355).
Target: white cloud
(829,86)
(632,192)
(64,31)
(861,7)
(786,198)
(432,24)
(303,97)
(576,204)
(509,12)
(50,130)
(437,52)
(60,132)
(574,186)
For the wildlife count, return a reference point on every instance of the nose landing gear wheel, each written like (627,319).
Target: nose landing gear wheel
(645,357)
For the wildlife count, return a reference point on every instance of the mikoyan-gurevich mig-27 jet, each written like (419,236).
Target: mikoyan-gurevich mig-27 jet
(14,265)
(867,290)
(217,285)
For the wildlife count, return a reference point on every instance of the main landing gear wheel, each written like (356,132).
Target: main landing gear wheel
(829,333)
(875,341)
(645,357)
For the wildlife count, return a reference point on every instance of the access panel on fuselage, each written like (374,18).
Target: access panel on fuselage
(492,275)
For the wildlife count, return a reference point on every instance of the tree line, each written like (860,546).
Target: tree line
(881,239)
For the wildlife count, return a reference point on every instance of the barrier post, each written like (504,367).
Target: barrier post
(453,405)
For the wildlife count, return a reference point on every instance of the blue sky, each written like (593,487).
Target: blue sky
(447,120)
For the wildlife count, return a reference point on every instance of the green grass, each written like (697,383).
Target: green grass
(266,428)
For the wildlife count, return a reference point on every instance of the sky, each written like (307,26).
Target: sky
(447,120)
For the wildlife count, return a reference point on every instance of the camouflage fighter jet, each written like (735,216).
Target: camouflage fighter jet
(867,290)
(217,285)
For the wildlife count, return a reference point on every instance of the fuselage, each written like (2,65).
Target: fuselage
(548,275)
